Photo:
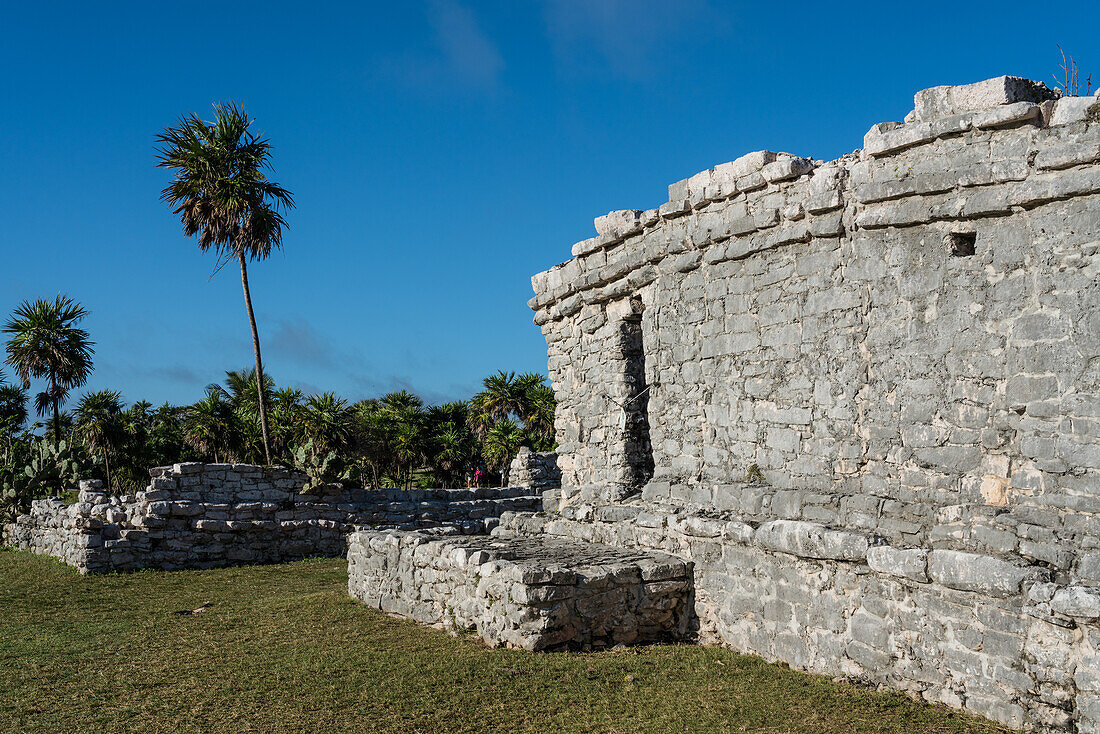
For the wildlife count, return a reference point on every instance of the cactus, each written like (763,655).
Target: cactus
(48,468)
(317,468)
(52,466)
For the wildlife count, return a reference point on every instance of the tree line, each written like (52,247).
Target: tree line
(396,440)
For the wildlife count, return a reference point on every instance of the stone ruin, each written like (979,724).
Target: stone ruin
(533,594)
(843,415)
(536,471)
(862,398)
(207,515)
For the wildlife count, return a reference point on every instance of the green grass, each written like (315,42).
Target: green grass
(284,649)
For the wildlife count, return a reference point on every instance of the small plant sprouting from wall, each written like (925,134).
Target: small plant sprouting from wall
(1070,80)
(754,475)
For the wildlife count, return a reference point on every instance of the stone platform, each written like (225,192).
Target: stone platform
(529,593)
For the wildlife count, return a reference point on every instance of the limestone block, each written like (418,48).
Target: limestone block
(975,572)
(751,182)
(1080,602)
(785,169)
(938,102)
(585,247)
(810,540)
(1007,115)
(882,139)
(1067,155)
(678,191)
(909,563)
(618,224)
(1073,109)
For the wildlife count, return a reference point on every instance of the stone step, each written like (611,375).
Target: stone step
(528,593)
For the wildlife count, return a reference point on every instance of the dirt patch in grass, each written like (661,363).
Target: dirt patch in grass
(284,649)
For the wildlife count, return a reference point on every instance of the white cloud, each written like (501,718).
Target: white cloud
(460,54)
(625,37)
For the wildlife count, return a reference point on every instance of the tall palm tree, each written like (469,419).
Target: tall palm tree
(221,193)
(403,422)
(538,411)
(99,424)
(493,403)
(45,342)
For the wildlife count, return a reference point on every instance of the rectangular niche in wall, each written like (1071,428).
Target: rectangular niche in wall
(960,244)
(634,421)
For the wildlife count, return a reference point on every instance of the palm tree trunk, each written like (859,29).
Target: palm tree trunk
(56,422)
(259,363)
(107,464)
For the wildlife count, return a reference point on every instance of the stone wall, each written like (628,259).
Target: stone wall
(204,515)
(530,594)
(534,470)
(908,338)
(992,635)
(863,397)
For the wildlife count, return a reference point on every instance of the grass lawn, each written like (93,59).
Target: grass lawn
(284,649)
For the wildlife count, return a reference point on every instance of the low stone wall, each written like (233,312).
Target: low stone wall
(535,470)
(999,636)
(205,515)
(539,472)
(525,593)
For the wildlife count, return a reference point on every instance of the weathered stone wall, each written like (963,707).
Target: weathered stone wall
(991,635)
(204,515)
(531,594)
(863,397)
(535,470)
(826,324)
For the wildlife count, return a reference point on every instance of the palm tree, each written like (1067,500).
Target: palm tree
(403,423)
(501,444)
(221,194)
(538,410)
(242,390)
(451,445)
(44,342)
(13,410)
(99,423)
(326,419)
(286,410)
(372,440)
(210,426)
(243,393)
(166,442)
(500,399)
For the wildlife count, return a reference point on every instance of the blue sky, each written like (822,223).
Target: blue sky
(441,152)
